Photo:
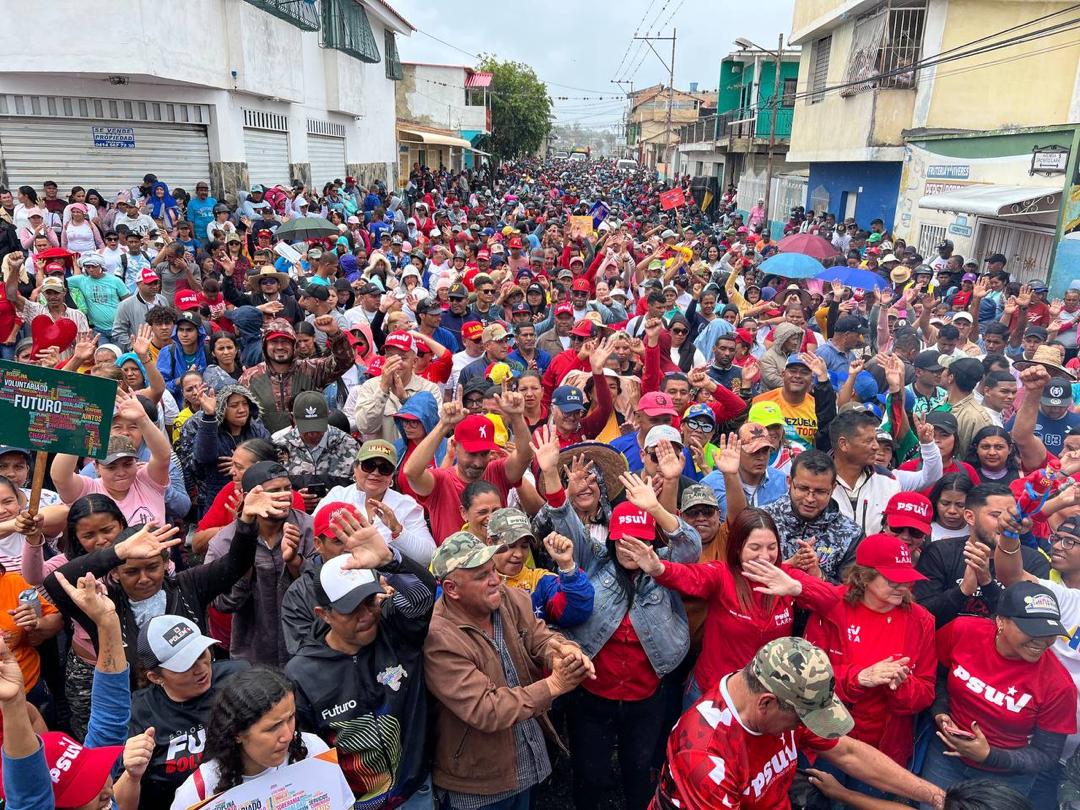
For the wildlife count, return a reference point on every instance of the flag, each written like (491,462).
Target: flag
(599,212)
(706,201)
(672,199)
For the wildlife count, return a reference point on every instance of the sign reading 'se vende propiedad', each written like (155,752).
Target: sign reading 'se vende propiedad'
(55,411)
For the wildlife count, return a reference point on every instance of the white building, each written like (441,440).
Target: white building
(236,92)
(442,110)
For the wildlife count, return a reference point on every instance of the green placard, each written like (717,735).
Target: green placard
(55,411)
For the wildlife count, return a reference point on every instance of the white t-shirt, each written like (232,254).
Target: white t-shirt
(1069,603)
(415,540)
(187,794)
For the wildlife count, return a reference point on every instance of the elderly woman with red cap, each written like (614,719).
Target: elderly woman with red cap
(881,644)
(636,635)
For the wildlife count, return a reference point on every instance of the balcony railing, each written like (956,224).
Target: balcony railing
(747,122)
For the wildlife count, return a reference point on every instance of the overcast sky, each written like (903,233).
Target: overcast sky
(580,45)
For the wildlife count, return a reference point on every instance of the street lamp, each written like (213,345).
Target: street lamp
(745,44)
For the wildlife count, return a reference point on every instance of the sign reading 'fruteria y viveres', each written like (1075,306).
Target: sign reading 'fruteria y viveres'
(55,411)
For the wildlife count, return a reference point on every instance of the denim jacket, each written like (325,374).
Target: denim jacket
(657,614)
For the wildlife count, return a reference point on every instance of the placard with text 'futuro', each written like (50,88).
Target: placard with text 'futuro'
(55,411)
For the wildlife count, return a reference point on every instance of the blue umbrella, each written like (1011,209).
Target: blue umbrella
(853,277)
(791,265)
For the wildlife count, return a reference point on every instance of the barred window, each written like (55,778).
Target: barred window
(394,71)
(819,68)
(346,29)
(300,13)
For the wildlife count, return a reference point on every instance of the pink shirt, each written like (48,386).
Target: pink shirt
(144,503)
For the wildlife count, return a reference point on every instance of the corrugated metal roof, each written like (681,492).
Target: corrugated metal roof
(477,78)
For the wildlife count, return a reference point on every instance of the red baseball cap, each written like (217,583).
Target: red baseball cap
(656,403)
(472,330)
(148,276)
(910,509)
(326,515)
(889,556)
(78,773)
(515,241)
(400,340)
(54,267)
(483,253)
(564,309)
(185,300)
(582,328)
(374,368)
(628,520)
(581,285)
(475,434)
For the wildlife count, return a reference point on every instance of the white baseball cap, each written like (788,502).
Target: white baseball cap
(344,589)
(171,642)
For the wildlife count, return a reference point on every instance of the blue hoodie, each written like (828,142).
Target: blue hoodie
(174,364)
(422,405)
(249,322)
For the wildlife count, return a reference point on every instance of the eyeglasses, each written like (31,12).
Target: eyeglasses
(802,490)
(1067,543)
(700,425)
(372,465)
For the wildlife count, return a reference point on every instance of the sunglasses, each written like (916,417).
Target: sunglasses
(700,512)
(700,425)
(680,331)
(907,531)
(371,465)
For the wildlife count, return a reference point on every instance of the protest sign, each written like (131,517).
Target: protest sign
(53,411)
(599,212)
(581,226)
(315,783)
(672,199)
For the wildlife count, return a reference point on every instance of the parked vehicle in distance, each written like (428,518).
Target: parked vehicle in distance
(626,165)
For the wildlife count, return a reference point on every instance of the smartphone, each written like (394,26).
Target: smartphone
(317,489)
(955,731)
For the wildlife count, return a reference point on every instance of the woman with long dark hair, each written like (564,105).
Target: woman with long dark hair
(252,730)
(994,455)
(948,497)
(684,353)
(225,367)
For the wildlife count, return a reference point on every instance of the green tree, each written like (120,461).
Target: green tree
(520,109)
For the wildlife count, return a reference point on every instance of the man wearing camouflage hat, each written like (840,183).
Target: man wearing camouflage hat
(738,746)
(484,658)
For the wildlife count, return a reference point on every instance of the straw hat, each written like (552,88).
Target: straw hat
(1049,359)
(611,463)
(254,277)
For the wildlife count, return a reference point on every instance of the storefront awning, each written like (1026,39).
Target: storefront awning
(996,201)
(478,78)
(476,151)
(435,139)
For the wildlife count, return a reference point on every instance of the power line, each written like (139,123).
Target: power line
(630,44)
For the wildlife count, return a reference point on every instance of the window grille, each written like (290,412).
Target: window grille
(394,71)
(346,29)
(301,13)
(887,40)
(819,74)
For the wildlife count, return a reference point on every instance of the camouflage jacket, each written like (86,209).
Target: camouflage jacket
(335,462)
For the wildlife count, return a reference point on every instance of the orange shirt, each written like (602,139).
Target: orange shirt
(802,417)
(11,585)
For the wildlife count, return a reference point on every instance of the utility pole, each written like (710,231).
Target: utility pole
(776,98)
(671,88)
(629,109)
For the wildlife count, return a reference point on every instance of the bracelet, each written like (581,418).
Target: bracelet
(1006,551)
(26,539)
(569,571)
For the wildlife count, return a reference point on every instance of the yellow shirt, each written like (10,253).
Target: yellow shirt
(800,416)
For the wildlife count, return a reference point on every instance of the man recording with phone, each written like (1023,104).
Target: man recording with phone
(316,454)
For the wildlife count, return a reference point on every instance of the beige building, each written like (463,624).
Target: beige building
(647,132)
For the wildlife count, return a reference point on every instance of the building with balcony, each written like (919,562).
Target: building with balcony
(442,111)
(979,149)
(648,135)
(732,148)
(236,92)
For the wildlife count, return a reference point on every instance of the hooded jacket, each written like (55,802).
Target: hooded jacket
(173,363)
(422,405)
(773,362)
(372,706)
(212,440)
(248,322)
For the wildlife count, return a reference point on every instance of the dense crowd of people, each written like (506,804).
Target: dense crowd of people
(499,505)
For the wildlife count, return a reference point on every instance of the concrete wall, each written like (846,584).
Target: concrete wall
(424,98)
(224,53)
(876,185)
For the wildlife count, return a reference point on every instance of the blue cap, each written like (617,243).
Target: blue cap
(700,410)
(7,448)
(795,360)
(487,232)
(866,388)
(568,399)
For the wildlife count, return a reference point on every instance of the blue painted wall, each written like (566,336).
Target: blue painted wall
(880,183)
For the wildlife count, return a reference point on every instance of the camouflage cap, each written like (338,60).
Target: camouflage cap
(698,495)
(461,550)
(799,674)
(508,526)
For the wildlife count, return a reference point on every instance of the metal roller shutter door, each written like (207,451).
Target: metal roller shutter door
(267,157)
(327,157)
(39,149)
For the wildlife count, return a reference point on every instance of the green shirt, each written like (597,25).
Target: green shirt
(101,297)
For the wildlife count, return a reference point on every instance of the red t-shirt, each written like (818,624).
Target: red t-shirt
(1008,699)
(443,505)
(954,467)
(623,669)
(713,761)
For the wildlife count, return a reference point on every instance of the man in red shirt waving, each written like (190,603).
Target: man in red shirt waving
(737,747)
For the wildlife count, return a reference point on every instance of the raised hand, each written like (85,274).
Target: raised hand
(262,504)
(11,677)
(816,365)
(128,406)
(1034,379)
(923,429)
(89,595)
(149,542)
(48,357)
(208,400)
(365,542)
(981,288)
(511,403)
(771,579)
(669,460)
(380,510)
(644,555)
(1024,298)
(599,357)
(327,324)
(561,550)
(729,454)
(640,492)
(138,751)
(140,341)
(545,447)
